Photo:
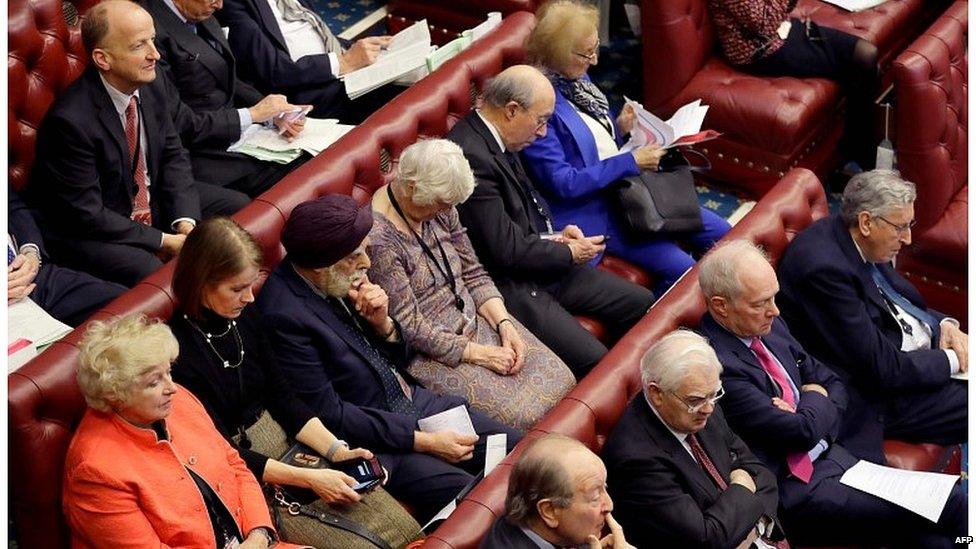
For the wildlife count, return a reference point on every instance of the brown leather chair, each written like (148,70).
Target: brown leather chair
(931,90)
(769,125)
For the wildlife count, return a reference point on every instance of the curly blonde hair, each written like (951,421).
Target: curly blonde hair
(560,25)
(114,355)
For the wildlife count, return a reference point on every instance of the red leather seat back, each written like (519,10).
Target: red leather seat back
(678,39)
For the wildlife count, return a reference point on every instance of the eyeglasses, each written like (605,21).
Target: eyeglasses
(592,55)
(696,404)
(901,229)
(540,120)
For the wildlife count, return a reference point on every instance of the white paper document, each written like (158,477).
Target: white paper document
(27,320)
(683,128)
(495,450)
(19,352)
(962,376)
(442,514)
(267,144)
(919,492)
(456,419)
(406,52)
(494,19)
(856,5)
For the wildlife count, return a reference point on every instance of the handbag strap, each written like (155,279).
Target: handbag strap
(691,166)
(330,519)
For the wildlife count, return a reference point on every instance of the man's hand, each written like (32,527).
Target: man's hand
(512,339)
(783,405)
(625,120)
(450,446)
(173,243)
(20,276)
(614,539)
(344,454)
(957,340)
(648,157)
(372,303)
(363,53)
(184,227)
(815,387)
(270,106)
(289,129)
(743,478)
(586,248)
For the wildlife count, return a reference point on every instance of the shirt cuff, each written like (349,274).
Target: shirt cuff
(334,63)
(950,320)
(817,450)
(953,361)
(189,220)
(29,247)
(245,117)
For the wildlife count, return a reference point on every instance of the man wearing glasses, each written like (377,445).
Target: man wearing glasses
(849,307)
(797,416)
(678,475)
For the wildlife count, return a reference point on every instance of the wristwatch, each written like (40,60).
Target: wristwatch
(335,447)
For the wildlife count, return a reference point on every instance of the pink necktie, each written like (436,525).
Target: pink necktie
(140,203)
(799,463)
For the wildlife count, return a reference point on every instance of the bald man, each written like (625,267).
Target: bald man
(112,180)
(540,269)
(557,496)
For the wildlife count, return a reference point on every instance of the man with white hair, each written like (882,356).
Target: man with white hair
(792,411)
(849,307)
(679,475)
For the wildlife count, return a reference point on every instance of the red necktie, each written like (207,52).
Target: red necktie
(706,462)
(140,203)
(799,462)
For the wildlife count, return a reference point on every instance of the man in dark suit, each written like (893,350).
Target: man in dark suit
(112,181)
(212,107)
(305,62)
(67,295)
(790,408)
(345,357)
(542,274)
(557,496)
(678,474)
(850,308)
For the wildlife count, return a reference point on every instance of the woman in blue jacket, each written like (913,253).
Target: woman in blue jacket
(579,156)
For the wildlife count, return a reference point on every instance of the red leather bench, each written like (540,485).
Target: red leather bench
(447,18)
(931,90)
(595,405)
(770,124)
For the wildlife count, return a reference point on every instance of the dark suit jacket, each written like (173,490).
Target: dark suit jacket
(21,223)
(506,535)
(497,215)
(82,182)
(256,40)
(837,312)
(664,498)
(330,370)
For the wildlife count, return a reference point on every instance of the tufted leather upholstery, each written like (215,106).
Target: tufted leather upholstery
(44,403)
(590,410)
(931,86)
(769,124)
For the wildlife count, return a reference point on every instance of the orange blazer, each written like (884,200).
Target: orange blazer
(124,488)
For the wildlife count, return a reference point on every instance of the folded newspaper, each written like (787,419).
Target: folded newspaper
(684,128)
(267,144)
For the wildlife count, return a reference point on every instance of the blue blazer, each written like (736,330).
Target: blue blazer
(566,169)
(836,310)
(328,368)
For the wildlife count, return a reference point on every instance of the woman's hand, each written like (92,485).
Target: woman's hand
(331,485)
(497,359)
(344,454)
(625,120)
(256,540)
(648,157)
(512,339)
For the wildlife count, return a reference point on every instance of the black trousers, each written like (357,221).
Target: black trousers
(830,53)
(71,296)
(548,312)
(427,482)
(126,264)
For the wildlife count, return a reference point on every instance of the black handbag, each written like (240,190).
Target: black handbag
(664,201)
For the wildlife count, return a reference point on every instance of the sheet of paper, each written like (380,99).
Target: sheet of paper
(919,492)
(442,54)
(19,353)
(494,19)
(495,451)
(266,144)
(419,32)
(386,69)
(856,5)
(688,119)
(27,320)
(962,376)
(648,129)
(442,514)
(456,419)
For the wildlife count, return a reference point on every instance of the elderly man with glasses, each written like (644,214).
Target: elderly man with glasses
(848,306)
(796,414)
(678,475)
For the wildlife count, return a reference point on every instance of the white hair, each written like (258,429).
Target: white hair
(669,361)
(719,272)
(439,171)
(876,192)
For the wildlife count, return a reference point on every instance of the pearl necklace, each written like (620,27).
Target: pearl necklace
(231,327)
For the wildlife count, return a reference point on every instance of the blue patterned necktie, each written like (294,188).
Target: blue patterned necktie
(11,254)
(889,292)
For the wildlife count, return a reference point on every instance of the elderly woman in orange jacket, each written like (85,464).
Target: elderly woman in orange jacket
(147,467)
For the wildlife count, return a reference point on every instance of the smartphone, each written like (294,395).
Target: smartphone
(291,116)
(367,472)
(606,238)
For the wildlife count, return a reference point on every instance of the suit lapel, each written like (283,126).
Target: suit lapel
(580,132)
(154,133)
(109,118)
(498,156)
(727,340)
(850,252)
(780,350)
(658,432)
(194,45)
(269,22)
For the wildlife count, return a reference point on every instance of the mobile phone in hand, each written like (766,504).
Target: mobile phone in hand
(367,472)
